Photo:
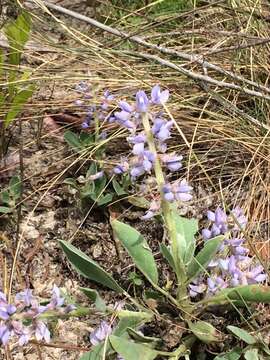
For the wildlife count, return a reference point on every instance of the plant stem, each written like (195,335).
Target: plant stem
(167,211)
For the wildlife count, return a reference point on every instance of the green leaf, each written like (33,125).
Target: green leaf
(100,185)
(92,170)
(251,354)
(244,293)
(138,249)
(130,350)
(73,140)
(204,331)
(140,202)
(242,334)
(203,258)
(235,354)
(5,197)
(15,187)
(5,210)
(139,337)
(88,268)
(118,188)
(168,256)
(17,32)
(95,354)
(131,319)
(186,229)
(95,297)
(103,200)
(17,104)
(71,182)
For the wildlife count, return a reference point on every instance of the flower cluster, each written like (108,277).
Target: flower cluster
(98,112)
(101,333)
(25,318)
(232,265)
(143,159)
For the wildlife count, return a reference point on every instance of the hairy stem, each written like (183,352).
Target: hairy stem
(167,211)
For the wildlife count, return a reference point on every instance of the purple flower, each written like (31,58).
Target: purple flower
(108,96)
(137,139)
(6,311)
(56,300)
(126,107)
(206,234)
(240,217)
(123,117)
(82,87)
(85,125)
(144,162)
(100,333)
(42,332)
(78,102)
(256,275)
(121,168)
(137,171)
(96,176)
(22,332)
(215,284)
(107,99)
(177,191)
(142,101)
(3,298)
(154,208)
(25,297)
(138,149)
(161,129)
(182,191)
(159,97)
(197,289)
(172,161)
(4,334)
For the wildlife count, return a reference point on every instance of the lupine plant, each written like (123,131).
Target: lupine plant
(26,318)
(98,186)
(14,95)
(218,271)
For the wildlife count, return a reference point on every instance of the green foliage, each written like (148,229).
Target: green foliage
(203,258)
(204,331)
(138,249)
(165,251)
(10,196)
(130,350)
(79,142)
(101,191)
(242,334)
(14,97)
(234,354)
(17,32)
(95,297)
(135,279)
(241,295)
(88,268)
(19,100)
(186,229)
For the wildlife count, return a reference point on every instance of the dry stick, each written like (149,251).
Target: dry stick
(192,58)
(199,77)
(232,108)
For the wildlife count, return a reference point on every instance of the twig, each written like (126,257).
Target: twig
(232,108)
(60,346)
(191,58)
(238,47)
(199,77)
